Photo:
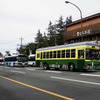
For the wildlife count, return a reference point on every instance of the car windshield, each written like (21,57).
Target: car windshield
(22,59)
(92,54)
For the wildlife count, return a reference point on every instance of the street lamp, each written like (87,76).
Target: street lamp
(80,16)
(55,33)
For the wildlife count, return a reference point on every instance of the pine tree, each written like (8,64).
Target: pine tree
(39,39)
(45,40)
(51,34)
(60,31)
(32,47)
(68,20)
(55,35)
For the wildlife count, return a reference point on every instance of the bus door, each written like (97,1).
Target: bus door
(81,58)
(81,53)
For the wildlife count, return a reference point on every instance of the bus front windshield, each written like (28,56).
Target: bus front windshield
(92,54)
(22,59)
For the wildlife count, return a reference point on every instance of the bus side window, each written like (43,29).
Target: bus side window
(38,55)
(51,54)
(80,53)
(41,55)
(73,53)
(58,54)
(67,53)
(47,54)
(63,53)
(54,54)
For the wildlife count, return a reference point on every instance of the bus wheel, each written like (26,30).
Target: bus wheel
(84,70)
(7,64)
(56,68)
(33,65)
(71,67)
(13,64)
(45,66)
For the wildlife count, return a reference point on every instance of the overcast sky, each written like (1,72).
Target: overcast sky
(23,18)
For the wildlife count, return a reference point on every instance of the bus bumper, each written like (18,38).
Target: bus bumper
(90,67)
(93,67)
(21,64)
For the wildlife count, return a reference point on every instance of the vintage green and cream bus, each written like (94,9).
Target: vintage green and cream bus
(82,56)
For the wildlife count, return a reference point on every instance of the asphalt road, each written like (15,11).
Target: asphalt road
(34,83)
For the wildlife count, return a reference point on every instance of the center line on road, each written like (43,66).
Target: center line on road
(53,71)
(39,89)
(90,75)
(18,71)
(73,80)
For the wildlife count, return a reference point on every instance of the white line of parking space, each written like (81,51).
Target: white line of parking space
(53,71)
(96,75)
(73,80)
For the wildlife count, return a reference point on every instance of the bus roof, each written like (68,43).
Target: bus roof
(11,56)
(16,55)
(69,45)
(32,55)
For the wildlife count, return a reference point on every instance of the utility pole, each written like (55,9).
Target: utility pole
(21,44)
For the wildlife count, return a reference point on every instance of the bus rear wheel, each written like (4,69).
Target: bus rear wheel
(71,67)
(46,66)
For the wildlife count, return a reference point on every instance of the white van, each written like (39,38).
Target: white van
(31,60)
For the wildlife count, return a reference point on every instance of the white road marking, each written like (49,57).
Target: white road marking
(7,67)
(73,80)
(53,71)
(29,69)
(90,75)
(18,71)
(16,68)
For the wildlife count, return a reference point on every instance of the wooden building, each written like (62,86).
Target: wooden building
(90,30)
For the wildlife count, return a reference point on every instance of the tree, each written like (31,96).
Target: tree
(45,40)
(32,47)
(68,20)
(55,35)
(51,34)
(56,31)
(39,39)
(60,31)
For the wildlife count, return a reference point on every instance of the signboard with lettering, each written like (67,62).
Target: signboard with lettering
(91,30)
(83,32)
